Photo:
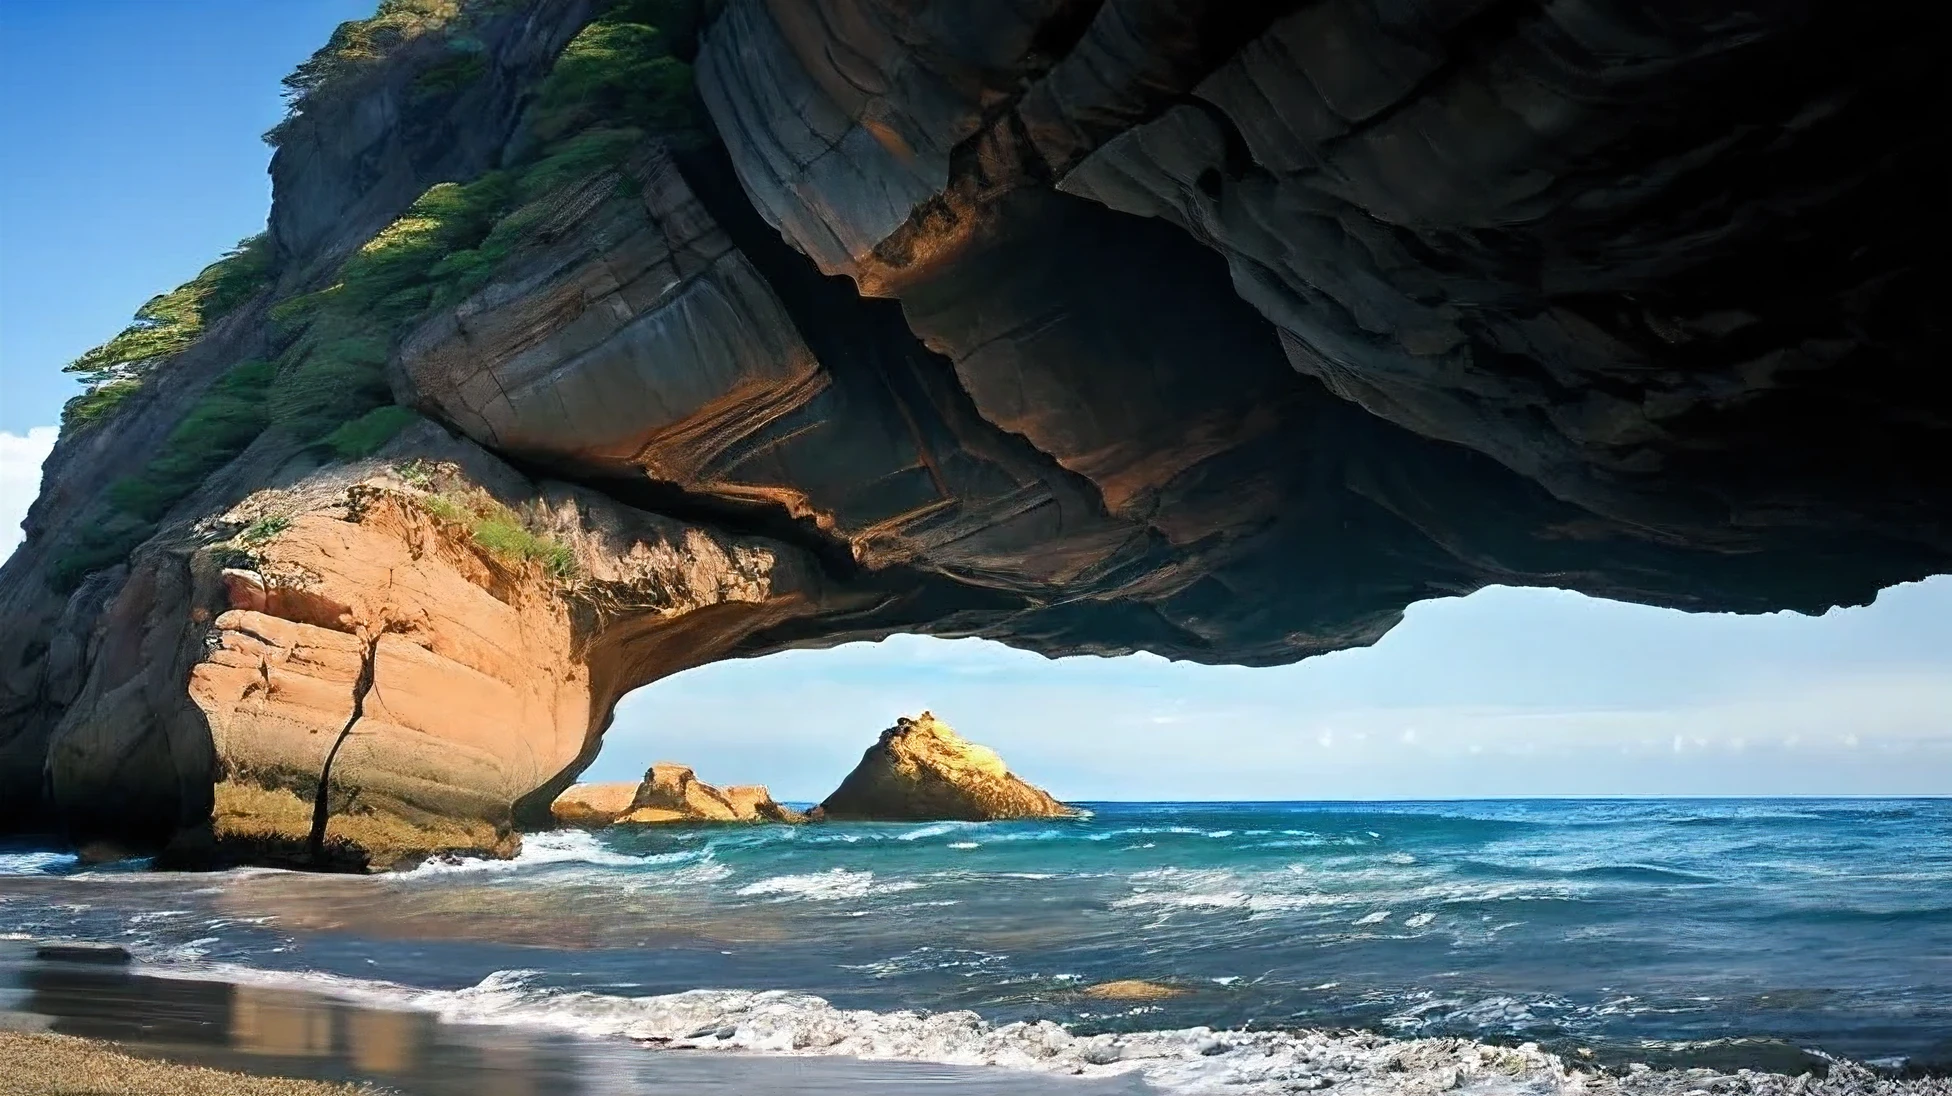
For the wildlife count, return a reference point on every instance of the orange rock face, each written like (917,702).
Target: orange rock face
(437,686)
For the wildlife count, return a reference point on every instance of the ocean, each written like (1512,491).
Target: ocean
(1722,934)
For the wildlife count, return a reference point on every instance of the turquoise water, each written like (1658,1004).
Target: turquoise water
(1719,932)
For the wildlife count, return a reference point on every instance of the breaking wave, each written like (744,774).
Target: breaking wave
(1193,1060)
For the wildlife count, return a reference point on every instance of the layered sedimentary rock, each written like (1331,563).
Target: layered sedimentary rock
(921,770)
(1220,330)
(1654,263)
(672,792)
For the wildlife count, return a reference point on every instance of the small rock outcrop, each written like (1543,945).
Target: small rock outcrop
(593,806)
(921,770)
(673,793)
(1132,989)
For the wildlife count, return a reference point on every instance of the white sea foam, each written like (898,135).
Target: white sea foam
(35,863)
(824,886)
(1228,900)
(936,829)
(1188,1061)
(538,849)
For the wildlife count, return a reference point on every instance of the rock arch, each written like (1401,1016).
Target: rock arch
(1089,327)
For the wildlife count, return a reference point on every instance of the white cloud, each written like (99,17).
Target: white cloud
(20,479)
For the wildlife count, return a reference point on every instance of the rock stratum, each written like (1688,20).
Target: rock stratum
(921,770)
(1217,329)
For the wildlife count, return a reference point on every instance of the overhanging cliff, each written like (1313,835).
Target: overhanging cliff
(1220,330)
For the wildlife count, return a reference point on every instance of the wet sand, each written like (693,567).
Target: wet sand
(281,1033)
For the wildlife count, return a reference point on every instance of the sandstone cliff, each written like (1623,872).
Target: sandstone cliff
(437,685)
(1217,329)
(921,770)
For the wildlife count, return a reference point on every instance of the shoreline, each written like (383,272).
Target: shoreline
(310,1028)
(245,1032)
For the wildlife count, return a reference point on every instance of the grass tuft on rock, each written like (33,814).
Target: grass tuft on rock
(502,533)
(264,530)
(505,536)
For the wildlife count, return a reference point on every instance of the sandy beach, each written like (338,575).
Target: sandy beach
(40,1064)
(93,1029)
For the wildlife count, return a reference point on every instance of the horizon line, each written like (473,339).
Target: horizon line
(1609,797)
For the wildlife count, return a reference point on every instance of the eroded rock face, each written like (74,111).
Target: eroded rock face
(921,770)
(1625,254)
(440,689)
(673,793)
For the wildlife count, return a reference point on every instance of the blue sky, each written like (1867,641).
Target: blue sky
(132,130)
(136,160)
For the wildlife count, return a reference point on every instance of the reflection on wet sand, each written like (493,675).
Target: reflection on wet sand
(259,1029)
(266,1021)
(384,1042)
(284,1032)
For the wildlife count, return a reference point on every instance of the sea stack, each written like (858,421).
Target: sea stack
(923,771)
(670,792)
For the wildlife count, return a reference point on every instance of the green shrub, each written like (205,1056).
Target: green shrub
(391,279)
(615,73)
(99,546)
(168,323)
(228,418)
(264,530)
(577,158)
(358,46)
(363,436)
(99,402)
(292,315)
(452,75)
(325,382)
(165,326)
